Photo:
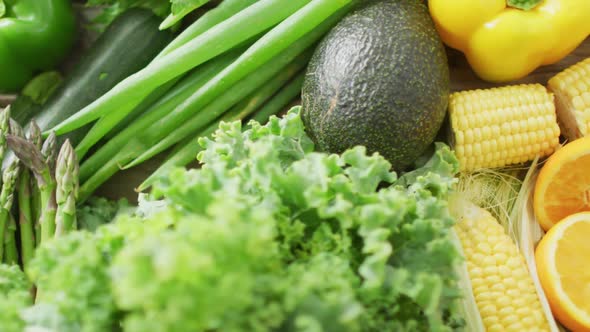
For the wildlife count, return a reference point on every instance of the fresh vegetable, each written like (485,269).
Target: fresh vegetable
(186,150)
(562,185)
(379,79)
(493,35)
(97,211)
(270,246)
(246,24)
(9,178)
(66,175)
(4,129)
(14,297)
(10,246)
(106,124)
(28,219)
(166,104)
(499,276)
(36,36)
(128,44)
(280,101)
(69,301)
(572,99)
(225,10)
(502,126)
(41,163)
(561,257)
(280,45)
(37,140)
(275,73)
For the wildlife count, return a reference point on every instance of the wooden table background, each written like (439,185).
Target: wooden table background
(462,78)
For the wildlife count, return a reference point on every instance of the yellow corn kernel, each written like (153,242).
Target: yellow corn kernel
(503,126)
(502,286)
(572,98)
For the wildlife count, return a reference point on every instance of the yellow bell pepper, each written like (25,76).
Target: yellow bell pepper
(504,43)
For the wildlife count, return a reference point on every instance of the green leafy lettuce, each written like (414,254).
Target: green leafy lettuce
(15,296)
(267,235)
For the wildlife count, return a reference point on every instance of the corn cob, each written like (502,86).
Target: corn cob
(572,98)
(502,286)
(502,126)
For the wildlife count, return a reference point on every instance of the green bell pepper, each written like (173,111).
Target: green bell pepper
(35,35)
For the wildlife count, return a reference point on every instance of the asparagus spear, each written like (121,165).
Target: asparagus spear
(26,204)
(66,175)
(10,250)
(9,177)
(41,163)
(35,202)
(4,129)
(16,129)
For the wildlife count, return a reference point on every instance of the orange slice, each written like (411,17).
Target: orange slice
(563,265)
(563,185)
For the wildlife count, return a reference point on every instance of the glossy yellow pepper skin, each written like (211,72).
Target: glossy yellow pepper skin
(503,43)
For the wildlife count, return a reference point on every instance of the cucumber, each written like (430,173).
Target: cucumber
(130,42)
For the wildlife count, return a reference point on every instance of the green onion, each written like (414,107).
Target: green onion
(141,143)
(279,68)
(281,100)
(188,149)
(222,12)
(112,166)
(222,37)
(174,97)
(121,120)
(299,31)
(292,36)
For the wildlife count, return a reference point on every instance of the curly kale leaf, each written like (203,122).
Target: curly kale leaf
(15,296)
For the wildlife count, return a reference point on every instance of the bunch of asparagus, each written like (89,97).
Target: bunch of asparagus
(39,190)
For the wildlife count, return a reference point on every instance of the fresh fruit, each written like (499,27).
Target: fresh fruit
(563,186)
(562,259)
(379,79)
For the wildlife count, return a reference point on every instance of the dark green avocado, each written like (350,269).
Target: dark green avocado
(380,79)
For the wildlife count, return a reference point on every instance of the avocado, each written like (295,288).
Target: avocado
(380,78)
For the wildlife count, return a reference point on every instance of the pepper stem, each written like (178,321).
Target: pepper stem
(523,4)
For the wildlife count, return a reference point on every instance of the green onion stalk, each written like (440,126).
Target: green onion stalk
(259,102)
(217,40)
(281,44)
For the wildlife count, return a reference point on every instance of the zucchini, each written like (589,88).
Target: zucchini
(130,42)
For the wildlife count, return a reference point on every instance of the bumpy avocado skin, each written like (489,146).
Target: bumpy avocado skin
(380,79)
